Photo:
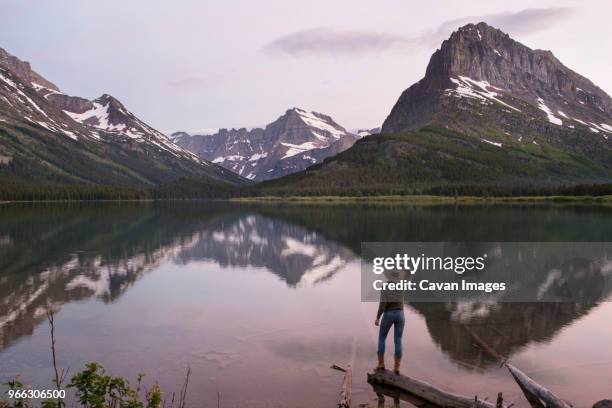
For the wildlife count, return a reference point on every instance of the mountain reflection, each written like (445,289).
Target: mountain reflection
(579,277)
(506,327)
(54,254)
(57,254)
(298,256)
(51,255)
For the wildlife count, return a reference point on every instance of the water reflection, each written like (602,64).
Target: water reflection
(56,255)
(52,255)
(298,256)
(506,327)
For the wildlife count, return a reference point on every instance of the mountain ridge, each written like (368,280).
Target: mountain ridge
(293,142)
(47,136)
(489,111)
(481,62)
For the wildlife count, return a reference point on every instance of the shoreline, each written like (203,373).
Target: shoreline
(381,199)
(424,199)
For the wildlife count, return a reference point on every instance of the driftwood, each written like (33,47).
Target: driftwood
(425,395)
(425,391)
(345,393)
(500,400)
(603,404)
(538,396)
(347,385)
(397,394)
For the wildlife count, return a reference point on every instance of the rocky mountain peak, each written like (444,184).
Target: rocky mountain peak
(481,32)
(296,140)
(111,100)
(323,124)
(177,135)
(116,113)
(482,64)
(23,70)
(481,52)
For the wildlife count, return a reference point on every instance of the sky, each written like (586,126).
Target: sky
(200,64)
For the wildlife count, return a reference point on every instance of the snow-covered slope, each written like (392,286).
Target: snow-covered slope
(295,141)
(48,136)
(109,115)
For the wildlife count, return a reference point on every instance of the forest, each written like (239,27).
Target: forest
(198,188)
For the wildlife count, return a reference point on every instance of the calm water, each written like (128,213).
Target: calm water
(261,300)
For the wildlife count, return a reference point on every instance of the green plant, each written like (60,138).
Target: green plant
(96,389)
(18,401)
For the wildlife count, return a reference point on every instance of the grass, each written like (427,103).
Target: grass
(376,199)
(425,199)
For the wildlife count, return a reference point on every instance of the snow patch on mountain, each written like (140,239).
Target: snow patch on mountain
(366,132)
(258,156)
(22,95)
(480,90)
(317,120)
(549,113)
(97,117)
(492,143)
(297,149)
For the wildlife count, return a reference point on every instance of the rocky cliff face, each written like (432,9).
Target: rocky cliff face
(293,142)
(23,70)
(48,136)
(483,81)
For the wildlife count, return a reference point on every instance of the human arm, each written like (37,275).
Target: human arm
(381,309)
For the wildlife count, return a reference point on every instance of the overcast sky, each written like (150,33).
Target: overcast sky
(195,64)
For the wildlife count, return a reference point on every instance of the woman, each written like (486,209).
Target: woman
(391,308)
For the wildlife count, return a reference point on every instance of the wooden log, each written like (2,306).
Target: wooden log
(395,393)
(347,384)
(603,404)
(538,396)
(346,390)
(426,391)
(500,400)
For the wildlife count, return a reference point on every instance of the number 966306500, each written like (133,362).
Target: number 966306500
(36,394)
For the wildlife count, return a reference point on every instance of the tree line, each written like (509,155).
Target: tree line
(198,188)
(70,192)
(593,190)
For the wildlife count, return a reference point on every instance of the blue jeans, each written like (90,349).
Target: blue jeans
(390,318)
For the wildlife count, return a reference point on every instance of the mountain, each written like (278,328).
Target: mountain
(367,132)
(48,136)
(522,92)
(488,111)
(293,142)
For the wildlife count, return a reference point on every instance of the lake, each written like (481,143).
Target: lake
(260,300)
